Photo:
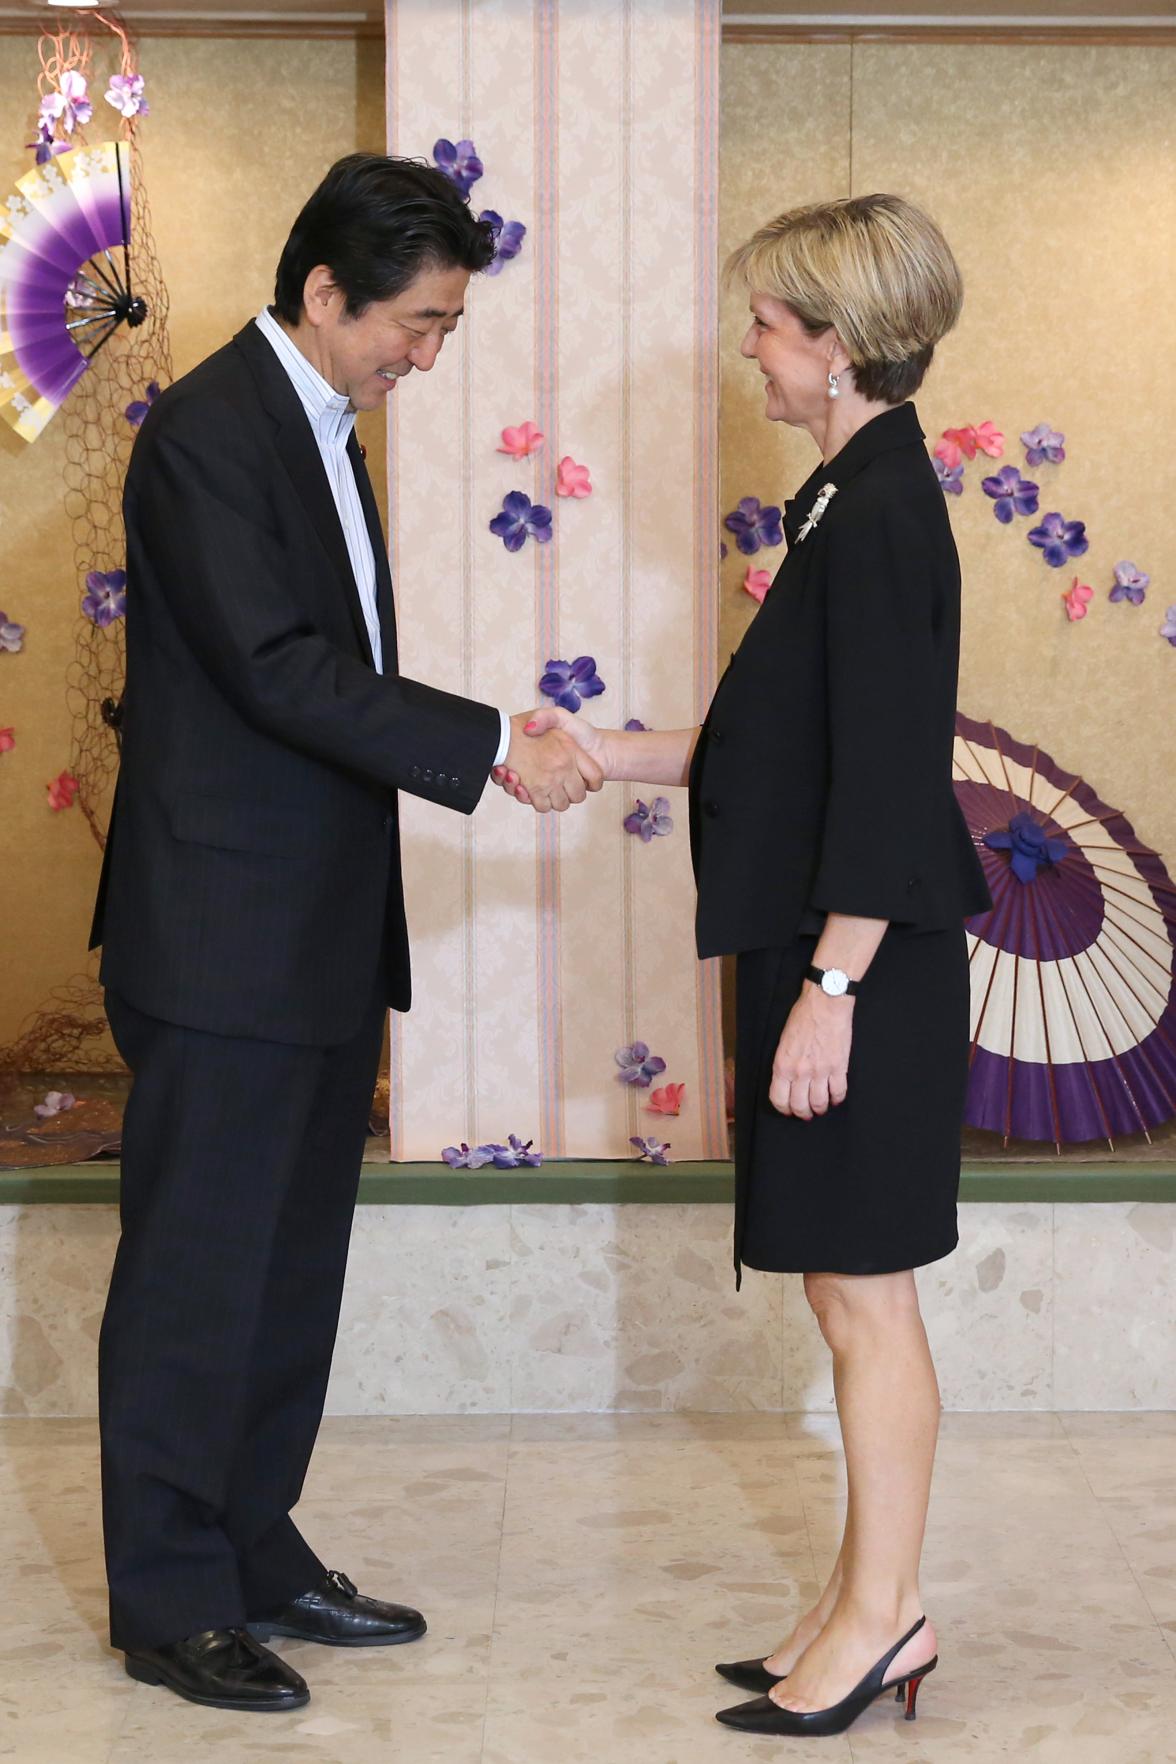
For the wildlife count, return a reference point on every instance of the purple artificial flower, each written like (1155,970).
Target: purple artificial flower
(508,239)
(465,1159)
(754,526)
(1059,539)
(1130,583)
(460,164)
(1043,443)
(138,407)
(636,727)
(521,517)
(651,821)
(724,550)
(12,635)
(1168,628)
(638,1065)
(105,598)
(57,1102)
(1030,845)
(951,478)
(45,147)
(125,93)
(1012,494)
(510,1156)
(653,1149)
(569,683)
(69,105)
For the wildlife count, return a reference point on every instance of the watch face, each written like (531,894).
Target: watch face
(835,982)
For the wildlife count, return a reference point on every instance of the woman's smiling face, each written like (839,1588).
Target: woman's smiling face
(795,363)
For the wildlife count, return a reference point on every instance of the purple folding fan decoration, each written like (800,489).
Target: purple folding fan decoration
(65,282)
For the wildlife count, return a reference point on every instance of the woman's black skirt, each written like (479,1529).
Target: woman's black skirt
(870,1187)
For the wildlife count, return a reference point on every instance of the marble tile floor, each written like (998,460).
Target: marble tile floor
(583,1572)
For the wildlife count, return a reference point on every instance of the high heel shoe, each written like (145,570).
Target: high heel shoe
(762,1715)
(751,1675)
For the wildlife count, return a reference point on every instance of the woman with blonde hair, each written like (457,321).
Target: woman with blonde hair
(832,859)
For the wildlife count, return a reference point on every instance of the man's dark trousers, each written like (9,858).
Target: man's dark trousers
(240,1166)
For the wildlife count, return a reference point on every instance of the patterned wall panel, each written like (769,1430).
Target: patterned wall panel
(543,945)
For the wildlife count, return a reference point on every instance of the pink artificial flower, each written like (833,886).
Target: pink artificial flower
(667,1101)
(62,791)
(57,1102)
(989,439)
(7,740)
(757,583)
(572,479)
(1077,599)
(520,442)
(957,444)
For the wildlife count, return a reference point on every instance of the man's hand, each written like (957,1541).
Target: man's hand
(544,766)
(812,1059)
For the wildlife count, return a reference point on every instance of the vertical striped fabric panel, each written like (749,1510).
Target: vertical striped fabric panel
(541,945)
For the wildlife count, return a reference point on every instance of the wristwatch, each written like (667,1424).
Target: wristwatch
(833,982)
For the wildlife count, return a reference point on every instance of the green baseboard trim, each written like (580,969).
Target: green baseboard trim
(581,1182)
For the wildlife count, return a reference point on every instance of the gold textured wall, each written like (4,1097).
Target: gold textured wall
(1052,170)
(239,134)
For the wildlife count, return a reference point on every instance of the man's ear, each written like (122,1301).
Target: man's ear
(318,291)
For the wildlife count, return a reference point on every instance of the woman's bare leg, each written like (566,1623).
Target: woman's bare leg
(888,1405)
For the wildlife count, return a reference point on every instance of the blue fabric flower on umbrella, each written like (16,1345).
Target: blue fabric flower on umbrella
(651,820)
(508,239)
(1043,443)
(1013,494)
(105,598)
(1130,583)
(951,478)
(1058,539)
(460,163)
(653,1149)
(521,519)
(1029,844)
(638,1065)
(569,683)
(754,526)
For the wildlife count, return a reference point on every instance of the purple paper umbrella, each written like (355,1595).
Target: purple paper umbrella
(1073,1019)
(62,288)
(1011,493)
(1059,539)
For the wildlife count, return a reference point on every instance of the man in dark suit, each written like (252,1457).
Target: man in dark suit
(252,922)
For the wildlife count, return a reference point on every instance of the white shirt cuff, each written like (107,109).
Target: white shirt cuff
(504,739)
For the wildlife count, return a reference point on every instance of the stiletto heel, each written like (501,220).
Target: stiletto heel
(764,1716)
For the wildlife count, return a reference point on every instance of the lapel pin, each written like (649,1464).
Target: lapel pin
(828,492)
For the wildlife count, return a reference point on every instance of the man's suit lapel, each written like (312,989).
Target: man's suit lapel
(299,454)
(385,604)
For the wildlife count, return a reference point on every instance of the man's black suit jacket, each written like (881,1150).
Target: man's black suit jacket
(821,781)
(252,873)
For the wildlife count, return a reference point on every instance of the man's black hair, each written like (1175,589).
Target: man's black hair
(377,222)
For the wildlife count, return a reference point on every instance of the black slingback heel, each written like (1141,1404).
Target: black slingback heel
(751,1675)
(763,1716)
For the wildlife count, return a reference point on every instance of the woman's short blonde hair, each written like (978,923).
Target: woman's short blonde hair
(876,268)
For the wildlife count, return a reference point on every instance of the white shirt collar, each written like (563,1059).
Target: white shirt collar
(329,412)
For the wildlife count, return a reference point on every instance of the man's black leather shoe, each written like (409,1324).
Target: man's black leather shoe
(335,1613)
(223,1668)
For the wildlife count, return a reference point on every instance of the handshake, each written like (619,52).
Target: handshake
(554,760)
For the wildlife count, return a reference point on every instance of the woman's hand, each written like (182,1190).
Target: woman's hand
(809,1072)
(591,739)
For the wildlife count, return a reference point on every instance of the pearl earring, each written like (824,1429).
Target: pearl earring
(834,388)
